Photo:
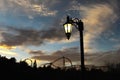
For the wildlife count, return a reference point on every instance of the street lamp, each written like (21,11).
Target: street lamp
(68,29)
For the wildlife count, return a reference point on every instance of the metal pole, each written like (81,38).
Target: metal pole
(82,51)
(81,28)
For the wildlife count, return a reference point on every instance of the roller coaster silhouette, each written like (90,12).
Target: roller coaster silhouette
(63,66)
(64,60)
(52,64)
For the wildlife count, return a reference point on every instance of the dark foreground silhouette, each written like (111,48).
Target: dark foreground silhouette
(12,70)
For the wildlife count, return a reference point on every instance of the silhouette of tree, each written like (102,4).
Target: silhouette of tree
(21,70)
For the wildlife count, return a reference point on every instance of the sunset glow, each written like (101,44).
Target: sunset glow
(7,47)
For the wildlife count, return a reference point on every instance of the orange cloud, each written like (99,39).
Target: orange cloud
(4,46)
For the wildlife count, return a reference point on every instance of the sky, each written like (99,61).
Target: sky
(33,29)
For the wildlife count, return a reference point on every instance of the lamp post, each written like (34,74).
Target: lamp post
(68,29)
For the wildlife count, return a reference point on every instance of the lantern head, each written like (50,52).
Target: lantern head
(68,27)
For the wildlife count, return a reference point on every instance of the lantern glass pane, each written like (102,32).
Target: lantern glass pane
(68,28)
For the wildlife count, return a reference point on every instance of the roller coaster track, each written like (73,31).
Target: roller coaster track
(64,60)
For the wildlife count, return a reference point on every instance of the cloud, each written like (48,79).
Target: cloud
(20,37)
(38,7)
(3,46)
(72,53)
(36,52)
(98,58)
(23,37)
(27,7)
(97,19)
(117,46)
(43,11)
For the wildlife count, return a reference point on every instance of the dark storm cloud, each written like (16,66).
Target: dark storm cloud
(17,37)
(46,58)
(36,53)
(53,34)
(23,37)
(71,53)
(98,58)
